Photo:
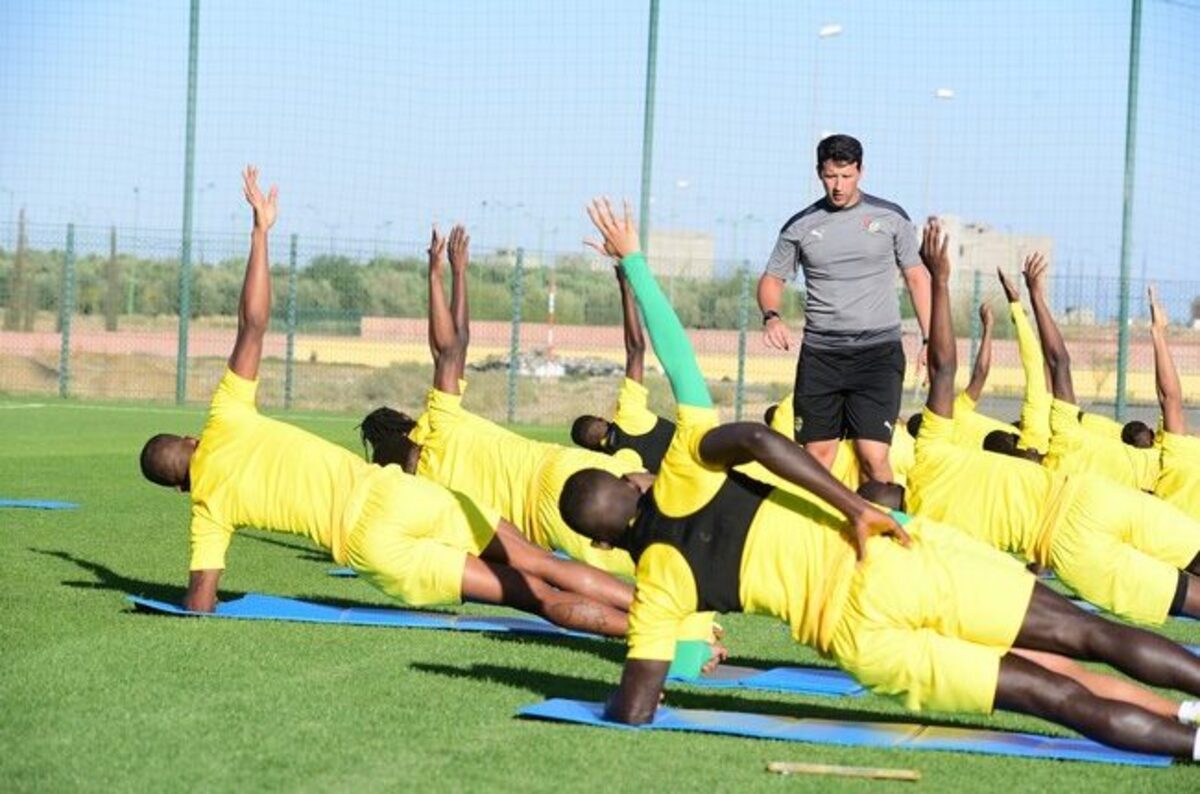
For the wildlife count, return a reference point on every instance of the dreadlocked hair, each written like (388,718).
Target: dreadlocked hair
(384,433)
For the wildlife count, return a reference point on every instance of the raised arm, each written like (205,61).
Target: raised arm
(448,355)
(459,248)
(1053,346)
(1166,376)
(671,344)
(254,306)
(635,341)
(943,357)
(743,442)
(983,360)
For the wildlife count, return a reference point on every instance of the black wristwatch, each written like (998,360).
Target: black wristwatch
(768,314)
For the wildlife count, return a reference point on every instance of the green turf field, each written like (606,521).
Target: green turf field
(96,697)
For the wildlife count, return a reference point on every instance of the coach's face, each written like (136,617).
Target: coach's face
(840,181)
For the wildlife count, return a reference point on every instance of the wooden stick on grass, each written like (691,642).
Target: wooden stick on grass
(869,772)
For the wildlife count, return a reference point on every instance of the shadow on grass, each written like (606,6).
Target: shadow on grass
(557,685)
(108,579)
(609,651)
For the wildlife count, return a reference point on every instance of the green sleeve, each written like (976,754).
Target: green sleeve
(667,337)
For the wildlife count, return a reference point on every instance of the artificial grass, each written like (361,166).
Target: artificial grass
(94,696)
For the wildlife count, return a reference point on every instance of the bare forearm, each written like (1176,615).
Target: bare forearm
(442,336)
(459,308)
(919,292)
(636,699)
(254,307)
(1166,381)
(770,293)
(983,366)
(202,591)
(1053,347)
(635,340)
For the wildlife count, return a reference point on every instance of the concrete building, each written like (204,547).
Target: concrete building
(682,252)
(977,247)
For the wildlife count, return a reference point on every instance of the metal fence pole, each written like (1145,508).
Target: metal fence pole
(976,325)
(289,372)
(66,307)
(739,394)
(514,347)
(189,172)
(648,127)
(1131,102)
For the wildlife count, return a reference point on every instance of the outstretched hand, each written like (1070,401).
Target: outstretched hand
(436,251)
(871,522)
(1035,269)
(935,249)
(459,247)
(1011,292)
(1158,315)
(620,234)
(265,207)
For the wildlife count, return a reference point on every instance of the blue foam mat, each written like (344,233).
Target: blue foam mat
(343,573)
(38,504)
(794,680)
(1088,606)
(256,606)
(904,736)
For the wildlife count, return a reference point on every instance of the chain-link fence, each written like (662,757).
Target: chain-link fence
(509,118)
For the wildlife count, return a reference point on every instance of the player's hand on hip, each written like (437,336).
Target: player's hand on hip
(775,334)
(871,522)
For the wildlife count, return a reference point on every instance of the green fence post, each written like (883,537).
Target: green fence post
(66,307)
(289,372)
(514,347)
(648,128)
(976,325)
(189,172)
(1131,107)
(739,394)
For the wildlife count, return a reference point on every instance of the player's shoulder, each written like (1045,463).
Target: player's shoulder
(812,212)
(877,203)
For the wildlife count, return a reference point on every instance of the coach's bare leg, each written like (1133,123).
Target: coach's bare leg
(873,459)
(1027,687)
(824,451)
(490,582)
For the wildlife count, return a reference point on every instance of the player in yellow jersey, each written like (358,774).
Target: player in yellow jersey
(1132,462)
(635,433)
(411,538)
(905,621)
(453,447)
(1179,476)
(1123,550)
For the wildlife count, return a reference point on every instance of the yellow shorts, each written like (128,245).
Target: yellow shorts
(548,528)
(930,623)
(1123,549)
(413,536)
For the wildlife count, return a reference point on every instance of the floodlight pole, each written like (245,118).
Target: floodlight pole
(648,126)
(189,169)
(1135,35)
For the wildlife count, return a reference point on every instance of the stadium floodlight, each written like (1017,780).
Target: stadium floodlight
(944,93)
(829,30)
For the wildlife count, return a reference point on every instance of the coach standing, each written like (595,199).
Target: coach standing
(851,368)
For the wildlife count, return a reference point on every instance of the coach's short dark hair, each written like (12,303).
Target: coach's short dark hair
(841,149)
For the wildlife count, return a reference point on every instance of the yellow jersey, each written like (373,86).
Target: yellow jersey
(1073,450)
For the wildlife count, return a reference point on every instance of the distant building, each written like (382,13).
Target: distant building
(682,252)
(977,247)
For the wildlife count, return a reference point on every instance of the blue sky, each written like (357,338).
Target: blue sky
(376,118)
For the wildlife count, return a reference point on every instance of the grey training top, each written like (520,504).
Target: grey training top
(849,257)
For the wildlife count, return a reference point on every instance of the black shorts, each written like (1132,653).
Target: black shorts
(849,393)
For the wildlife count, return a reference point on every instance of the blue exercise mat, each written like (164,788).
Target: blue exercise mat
(1088,606)
(255,606)
(343,573)
(38,504)
(793,680)
(849,734)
